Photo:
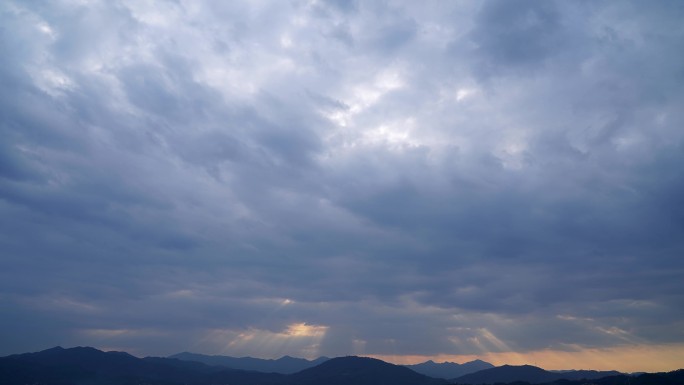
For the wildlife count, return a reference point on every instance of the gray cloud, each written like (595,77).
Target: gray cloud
(447,179)
(517,33)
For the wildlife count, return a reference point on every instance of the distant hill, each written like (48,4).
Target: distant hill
(530,374)
(449,370)
(586,374)
(509,373)
(284,365)
(85,365)
(89,366)
(360,371)
(675,377)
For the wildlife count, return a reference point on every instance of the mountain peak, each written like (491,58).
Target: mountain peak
(509,373)
(449,370)
(55,349)
(360,371)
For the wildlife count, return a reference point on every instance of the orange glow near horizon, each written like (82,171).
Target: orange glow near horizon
(640,358)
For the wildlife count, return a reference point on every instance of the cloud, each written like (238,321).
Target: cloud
(517,33)
(449,179)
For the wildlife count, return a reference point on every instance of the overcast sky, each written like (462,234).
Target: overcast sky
(407,180)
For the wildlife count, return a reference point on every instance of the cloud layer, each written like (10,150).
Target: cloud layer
(328,178)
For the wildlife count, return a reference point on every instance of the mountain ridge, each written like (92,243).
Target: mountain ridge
(530,374)
(361,370)
(449,370)
(283,365)
(90,366)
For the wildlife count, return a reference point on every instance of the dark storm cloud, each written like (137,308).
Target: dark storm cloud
(506,175)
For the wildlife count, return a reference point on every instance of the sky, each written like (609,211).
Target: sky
(406,180)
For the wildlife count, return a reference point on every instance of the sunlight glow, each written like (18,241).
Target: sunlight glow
(464,93)
(114,334)
(628,359)
(304,330)
(493,340)
(299,339)
(52,81)
(364,95)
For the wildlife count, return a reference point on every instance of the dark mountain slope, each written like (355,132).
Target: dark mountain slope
(360,371)
(533,375)
(449,369)
(670,378)
(586,374)
(88,366)
(108,364)
(509,373)
(81,366)
(14,371)
(244,377)
(84,365)
(675,377)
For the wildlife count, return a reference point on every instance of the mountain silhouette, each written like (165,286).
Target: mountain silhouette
(530,374)
(95,362)
(284,365)
(449,369)
(585,374)
(360,371)
(509,373)
(85,365)
(89,366)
